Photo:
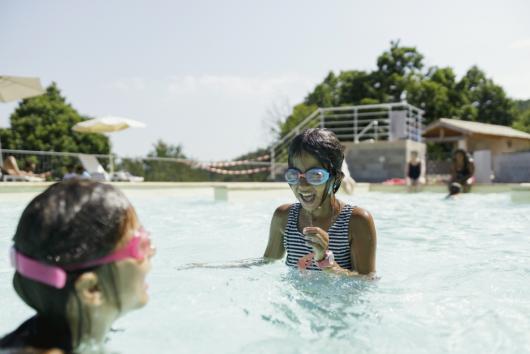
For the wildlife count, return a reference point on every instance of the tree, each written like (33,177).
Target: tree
(45,123)
(400,76)
(436,94)
(522,121)
(396,69)
(356,87)
(483,100)
(171,170)
(300,112)
(325,94)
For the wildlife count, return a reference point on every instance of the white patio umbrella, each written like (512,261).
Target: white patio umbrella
(14,88)
(107,124)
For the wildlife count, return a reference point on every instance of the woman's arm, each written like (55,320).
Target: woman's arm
(363,241)
(275,249)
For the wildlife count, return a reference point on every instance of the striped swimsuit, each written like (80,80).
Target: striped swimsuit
(339,243)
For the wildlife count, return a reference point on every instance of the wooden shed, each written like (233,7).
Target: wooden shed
(474,136)
(491,146)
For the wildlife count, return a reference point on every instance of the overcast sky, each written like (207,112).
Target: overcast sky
(204,73)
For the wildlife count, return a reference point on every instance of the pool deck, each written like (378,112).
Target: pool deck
(17,187)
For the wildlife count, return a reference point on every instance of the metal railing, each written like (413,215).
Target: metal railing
(56,164)
(387,121)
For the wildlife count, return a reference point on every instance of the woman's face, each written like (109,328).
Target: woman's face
(310,196)
(131,279)
(459,157)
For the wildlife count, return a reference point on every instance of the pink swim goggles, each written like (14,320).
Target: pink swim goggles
(138,247)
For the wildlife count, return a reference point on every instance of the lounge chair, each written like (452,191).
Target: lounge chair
(11,172)
(124,176)
(93,167)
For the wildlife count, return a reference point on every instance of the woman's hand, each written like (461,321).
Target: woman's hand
(318,239)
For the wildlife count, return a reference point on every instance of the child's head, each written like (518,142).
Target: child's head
(74,249)
(414,154)
(320,149)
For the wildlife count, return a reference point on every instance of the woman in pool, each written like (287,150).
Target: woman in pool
(462,171)
(321,232)
(81,258)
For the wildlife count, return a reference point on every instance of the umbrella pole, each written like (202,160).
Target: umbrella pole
(111,163)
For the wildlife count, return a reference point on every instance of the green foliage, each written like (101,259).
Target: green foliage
(45,123)
(300,112)
(400,75)
(436,93)
(162,149)
(522,105)
(522,121)
(397,68)
(183,171)
(325,94)
(170,170)
(483,100)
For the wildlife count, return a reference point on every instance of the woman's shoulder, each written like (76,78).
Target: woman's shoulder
(282,212)
(360,213)
(361,220)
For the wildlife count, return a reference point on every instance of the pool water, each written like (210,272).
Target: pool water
(454,278)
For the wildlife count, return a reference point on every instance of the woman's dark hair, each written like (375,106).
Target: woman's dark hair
(71,222)
(324,146)
(465,156)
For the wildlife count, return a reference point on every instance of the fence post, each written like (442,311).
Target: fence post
(321,118)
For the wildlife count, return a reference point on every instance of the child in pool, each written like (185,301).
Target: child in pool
(321,232)
(81,258)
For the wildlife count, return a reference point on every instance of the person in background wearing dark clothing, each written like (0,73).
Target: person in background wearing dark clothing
(462,170)
(413,172)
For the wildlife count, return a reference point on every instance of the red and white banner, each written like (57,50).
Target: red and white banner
(237,172)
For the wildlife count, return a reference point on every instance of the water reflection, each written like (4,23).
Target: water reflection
(320,306)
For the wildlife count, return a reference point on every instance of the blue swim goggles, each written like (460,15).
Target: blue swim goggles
(314,176)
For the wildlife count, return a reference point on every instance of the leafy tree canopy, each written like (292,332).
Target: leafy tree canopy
(45,123)
(400,75)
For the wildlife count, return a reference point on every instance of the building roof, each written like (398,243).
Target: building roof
(469,128)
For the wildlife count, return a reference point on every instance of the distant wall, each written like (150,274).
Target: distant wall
(378,161)
(512,167)
(497,145)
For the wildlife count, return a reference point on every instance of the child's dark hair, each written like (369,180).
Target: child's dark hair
(71,222)
(324,146)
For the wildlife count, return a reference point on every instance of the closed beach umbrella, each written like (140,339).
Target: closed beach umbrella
(14,88)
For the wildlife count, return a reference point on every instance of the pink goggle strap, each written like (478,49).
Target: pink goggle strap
(35,270)
(130,250)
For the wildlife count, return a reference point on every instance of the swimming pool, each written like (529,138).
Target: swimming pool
(455,277)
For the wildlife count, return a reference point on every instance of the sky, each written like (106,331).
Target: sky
(207,74)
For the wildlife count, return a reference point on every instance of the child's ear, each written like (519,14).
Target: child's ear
(89,290)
